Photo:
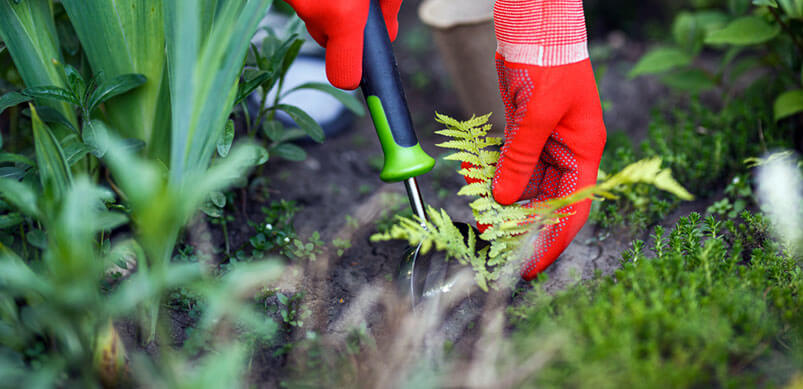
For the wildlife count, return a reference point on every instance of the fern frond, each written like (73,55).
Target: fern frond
(483,203)
(647,171)
(475,189)
(457,134)
(458,144)
(488,157)
(499,246)
(446,120)
(484,173)
(463,156)
(476,121)
(490,141)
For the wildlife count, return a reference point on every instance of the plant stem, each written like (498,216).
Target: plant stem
(278,96)
(247,119)
(261,114)
(786,28)
(113,186)
(225,234)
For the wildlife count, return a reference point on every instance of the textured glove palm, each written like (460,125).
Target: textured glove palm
(554,134)
(339,26)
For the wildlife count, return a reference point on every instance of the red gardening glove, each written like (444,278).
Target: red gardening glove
(338,25)
(554,134)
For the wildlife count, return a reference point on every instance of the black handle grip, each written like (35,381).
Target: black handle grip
(380,78)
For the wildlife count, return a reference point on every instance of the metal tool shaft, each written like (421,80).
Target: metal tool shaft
(416,201)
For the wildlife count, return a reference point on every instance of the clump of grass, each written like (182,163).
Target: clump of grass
(695,308)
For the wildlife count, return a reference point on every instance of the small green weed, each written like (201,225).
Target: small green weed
(275,234)
(289,307)
(738,195)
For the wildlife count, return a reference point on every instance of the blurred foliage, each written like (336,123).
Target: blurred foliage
(116,132)
(59,304)
(758,42)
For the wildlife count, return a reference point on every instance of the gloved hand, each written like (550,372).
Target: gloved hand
(554,134)
(338,25)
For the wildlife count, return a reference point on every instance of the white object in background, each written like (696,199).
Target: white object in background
(780,193)
(319,105)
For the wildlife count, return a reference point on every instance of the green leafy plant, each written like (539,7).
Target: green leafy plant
(266,68)
(152,113)
(738,195)
(59,306)
(290,308)
(29,34)
(508,225)
(765,37)
(276,235)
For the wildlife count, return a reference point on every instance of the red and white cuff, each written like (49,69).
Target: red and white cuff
(541,32)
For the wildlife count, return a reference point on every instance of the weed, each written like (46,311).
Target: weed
(289,307)
(341,245)
(738,195)
(265,70)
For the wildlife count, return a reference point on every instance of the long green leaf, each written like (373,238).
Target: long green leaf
(53,93)
(660,60)
(204,67)
(250,84)
(788,104)
(747,30)
(16,158)
(304,121)
(52,115)
(125,37)
(11,99)
(28,30)
(54,171)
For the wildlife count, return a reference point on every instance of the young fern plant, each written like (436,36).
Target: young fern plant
(508,225)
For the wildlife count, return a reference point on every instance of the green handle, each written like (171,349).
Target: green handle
(381,86)
(401,162)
